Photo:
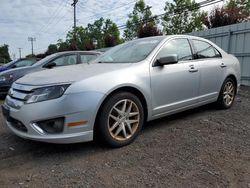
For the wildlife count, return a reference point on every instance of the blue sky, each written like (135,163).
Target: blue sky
(49,20)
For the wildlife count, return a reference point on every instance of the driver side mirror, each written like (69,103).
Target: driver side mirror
(167,60)
(50,65)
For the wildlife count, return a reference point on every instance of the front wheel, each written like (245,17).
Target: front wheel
(227,94)
(120,119)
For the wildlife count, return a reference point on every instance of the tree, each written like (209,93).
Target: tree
(148,30)
(109,40)
(182,16)
(52,48)
(102,29)
(4,54)
(138,19)
(30,56)
(41,56)
(81,41)
(111,34)
(62,46)
(96,35)
(96,32)
(242,7)
(234,11)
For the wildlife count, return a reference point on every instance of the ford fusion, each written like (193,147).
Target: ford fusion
(111,97)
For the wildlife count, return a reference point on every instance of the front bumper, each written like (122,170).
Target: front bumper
(73,107)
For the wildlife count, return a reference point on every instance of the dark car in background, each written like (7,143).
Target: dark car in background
(23,62)
(51,61)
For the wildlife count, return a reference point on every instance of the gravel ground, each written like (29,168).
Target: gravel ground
(203,147)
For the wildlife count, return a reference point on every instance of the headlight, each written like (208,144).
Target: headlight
(46,93)
(6,77)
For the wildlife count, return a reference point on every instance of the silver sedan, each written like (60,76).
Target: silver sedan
(112,97)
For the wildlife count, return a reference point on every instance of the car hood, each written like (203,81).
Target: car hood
(3,68)
(70,74)
(13,71)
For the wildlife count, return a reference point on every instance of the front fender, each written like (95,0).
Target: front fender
(136,76)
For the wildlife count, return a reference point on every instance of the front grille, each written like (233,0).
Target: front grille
(22,91)
(17,124)
(19,94)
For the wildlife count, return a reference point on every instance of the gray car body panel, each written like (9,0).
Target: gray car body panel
(167,90)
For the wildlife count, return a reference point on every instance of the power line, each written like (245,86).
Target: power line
(200,5)
(92,16)
(53,18)
(108,10)
(186,9)
(81,6)
(58,21)
(122,27)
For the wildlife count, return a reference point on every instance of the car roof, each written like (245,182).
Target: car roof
(82,52)
(169,36)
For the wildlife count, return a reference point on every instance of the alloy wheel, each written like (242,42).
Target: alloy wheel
(123,120)
(228,93)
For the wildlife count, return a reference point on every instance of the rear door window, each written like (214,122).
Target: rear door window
(86,58)
(205,50)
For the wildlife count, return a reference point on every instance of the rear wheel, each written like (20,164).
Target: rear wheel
(227,94)
(120,119)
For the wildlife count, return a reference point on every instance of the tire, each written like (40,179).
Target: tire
(119,120)
(227,94)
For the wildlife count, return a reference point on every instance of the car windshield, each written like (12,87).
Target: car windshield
(130,52)
(10,63)
(25,62)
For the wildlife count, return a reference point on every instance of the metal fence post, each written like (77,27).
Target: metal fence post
(229,41)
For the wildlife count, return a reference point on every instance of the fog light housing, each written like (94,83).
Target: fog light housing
(52,126)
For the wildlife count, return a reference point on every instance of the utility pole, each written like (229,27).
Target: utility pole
(74,5)
(32,39)
(20,52)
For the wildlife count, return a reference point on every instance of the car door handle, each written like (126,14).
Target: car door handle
(192,69)
(222,65)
